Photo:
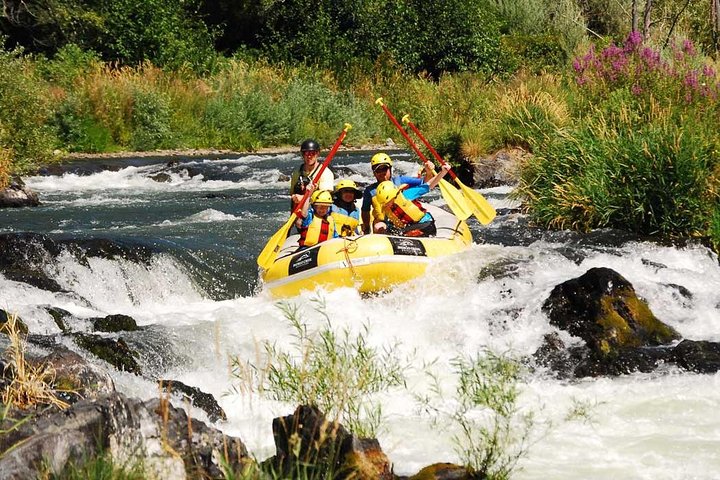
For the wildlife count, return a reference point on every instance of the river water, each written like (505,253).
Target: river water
(202,305)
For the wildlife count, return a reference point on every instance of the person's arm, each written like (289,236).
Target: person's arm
(436,179)
(365,222)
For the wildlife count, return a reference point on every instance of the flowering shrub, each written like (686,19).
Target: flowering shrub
(681,78)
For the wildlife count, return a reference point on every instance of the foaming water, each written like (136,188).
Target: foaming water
(211,227)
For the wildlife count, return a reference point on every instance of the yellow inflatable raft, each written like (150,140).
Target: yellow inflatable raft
(370,263)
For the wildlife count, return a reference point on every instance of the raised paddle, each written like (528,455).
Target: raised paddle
(480,207)
(450,194)
(269,253)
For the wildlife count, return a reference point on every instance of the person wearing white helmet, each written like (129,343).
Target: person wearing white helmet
(344,210)
(381,165)
(315,223)
(303,175)
(404,213)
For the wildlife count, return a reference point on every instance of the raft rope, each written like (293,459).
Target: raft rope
(349,246)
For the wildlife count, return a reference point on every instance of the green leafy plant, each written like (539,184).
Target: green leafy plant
(334,371)
(493,432)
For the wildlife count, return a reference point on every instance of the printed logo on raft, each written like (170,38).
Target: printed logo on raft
(408,246)
(304,260)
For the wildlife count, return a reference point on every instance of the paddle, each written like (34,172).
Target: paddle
(450,194)
(269,253)
(480,207)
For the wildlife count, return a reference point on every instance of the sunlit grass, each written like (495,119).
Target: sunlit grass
(30,385)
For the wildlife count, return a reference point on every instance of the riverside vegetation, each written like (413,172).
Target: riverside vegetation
(625,137)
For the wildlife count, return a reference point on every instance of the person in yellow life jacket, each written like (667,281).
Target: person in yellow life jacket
(344,210)
(404,213)
(315,222)
(381,165)
(306,172)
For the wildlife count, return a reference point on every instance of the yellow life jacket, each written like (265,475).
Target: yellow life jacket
(404,212)
(345,224)
(319,230)
(377,211)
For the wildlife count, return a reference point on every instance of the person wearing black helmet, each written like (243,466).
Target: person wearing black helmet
(305,173)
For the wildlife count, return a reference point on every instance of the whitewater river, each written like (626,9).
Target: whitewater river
(202,304)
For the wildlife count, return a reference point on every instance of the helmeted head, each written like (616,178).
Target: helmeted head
(321,197)
(344,186)
(309,145)
(380,160)
(386,192)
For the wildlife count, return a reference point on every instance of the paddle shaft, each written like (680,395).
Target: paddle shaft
(402,131)
(430,147)
(316,179)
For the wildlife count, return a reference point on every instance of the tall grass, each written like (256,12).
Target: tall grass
(493,433)
(335,371)
(30,385)
(641,152)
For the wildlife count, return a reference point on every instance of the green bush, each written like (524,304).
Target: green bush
(78,130)
(151,116)
(25,112)
(69,63)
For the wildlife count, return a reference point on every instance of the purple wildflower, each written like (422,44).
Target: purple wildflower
(636,89)
(708,71)
(688,48)
(691,79)
(633,41)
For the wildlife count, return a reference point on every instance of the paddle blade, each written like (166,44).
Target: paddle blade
(269,253)
(480,207)
(455,200)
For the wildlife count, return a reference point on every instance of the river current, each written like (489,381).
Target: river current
(202,305)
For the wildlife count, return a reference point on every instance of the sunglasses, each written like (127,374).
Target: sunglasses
(309,153)
(381,169)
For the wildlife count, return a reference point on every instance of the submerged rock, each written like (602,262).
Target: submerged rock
(204,401)
(115,352)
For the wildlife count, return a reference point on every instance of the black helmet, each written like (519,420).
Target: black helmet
(310,145)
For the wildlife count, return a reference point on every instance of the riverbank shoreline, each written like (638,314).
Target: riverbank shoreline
(211,152)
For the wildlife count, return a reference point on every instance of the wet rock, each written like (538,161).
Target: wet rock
(24,257)
(60,317)
(204,401)
(204,450)
(114,323)
(444,471)
(154,434)
(161,177)
(17,194)
(601,307)
(697,356)
(502,168)
(622,361)
(307,438)
(115,352)
(75,378)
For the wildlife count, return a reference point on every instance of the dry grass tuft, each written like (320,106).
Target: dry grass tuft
(31,385)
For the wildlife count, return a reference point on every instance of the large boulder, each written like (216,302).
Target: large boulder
(322,446)
(602,308)
(153,434)
(620,333)
(17,194)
